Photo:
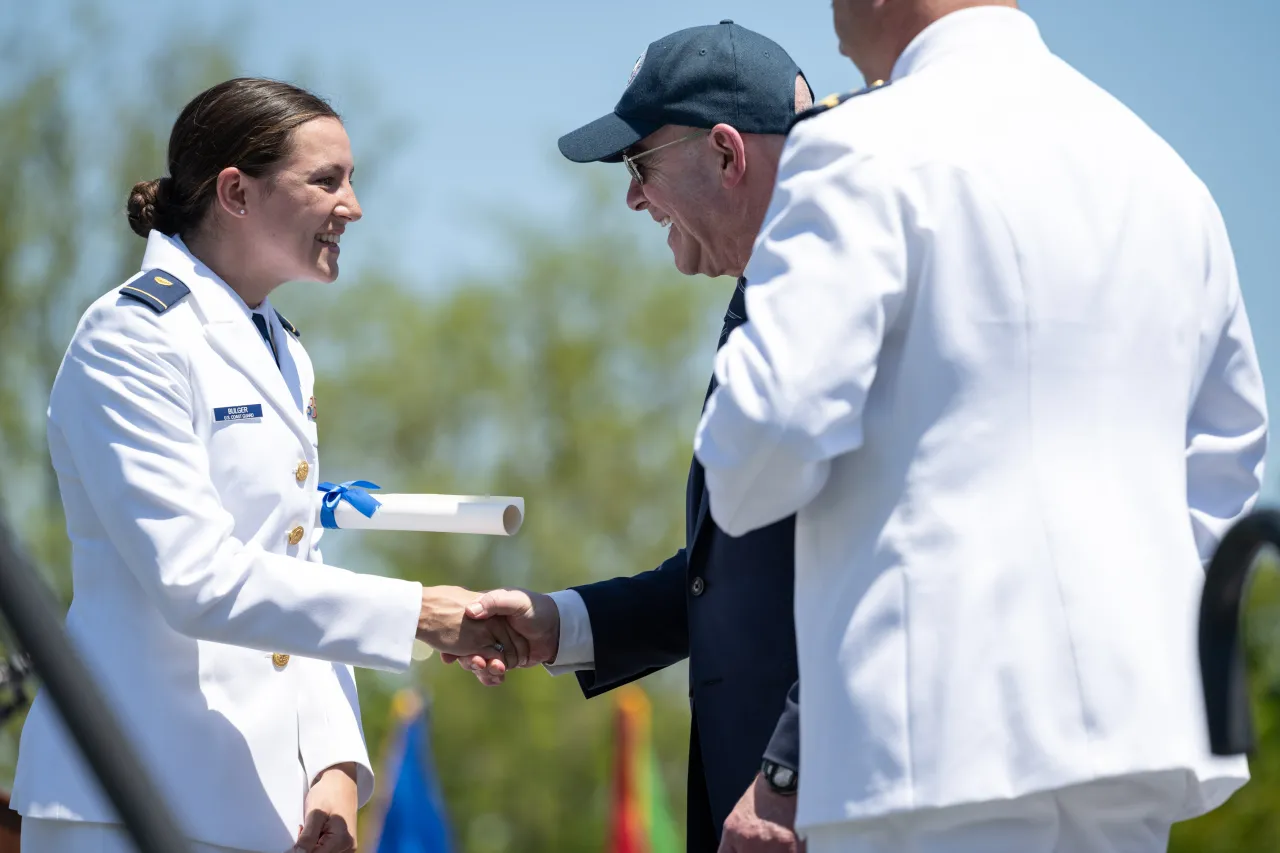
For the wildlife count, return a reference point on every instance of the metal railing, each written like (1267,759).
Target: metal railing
(1223,664)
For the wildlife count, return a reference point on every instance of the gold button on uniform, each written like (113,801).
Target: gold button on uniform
(295,535)
(280,660)
(302,471)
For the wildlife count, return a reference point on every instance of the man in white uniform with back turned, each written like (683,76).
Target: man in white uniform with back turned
(998,364)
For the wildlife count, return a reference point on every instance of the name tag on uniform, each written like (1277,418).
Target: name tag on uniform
(238,413)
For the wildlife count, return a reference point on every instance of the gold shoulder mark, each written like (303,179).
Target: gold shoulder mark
(830,102)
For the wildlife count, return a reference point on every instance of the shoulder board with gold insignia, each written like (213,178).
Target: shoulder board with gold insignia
(289,327)
(833,101)
(156,289)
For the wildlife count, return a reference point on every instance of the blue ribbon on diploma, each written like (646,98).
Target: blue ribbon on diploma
(353,492)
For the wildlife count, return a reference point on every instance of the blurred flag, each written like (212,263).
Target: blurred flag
(414,820)
(640,822)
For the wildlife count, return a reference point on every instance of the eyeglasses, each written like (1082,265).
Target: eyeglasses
(630,160)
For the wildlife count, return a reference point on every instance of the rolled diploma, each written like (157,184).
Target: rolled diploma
(494,516)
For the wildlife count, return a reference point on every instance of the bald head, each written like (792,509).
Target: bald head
(804,97)
(874,33)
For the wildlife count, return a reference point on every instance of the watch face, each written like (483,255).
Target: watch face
(784,777)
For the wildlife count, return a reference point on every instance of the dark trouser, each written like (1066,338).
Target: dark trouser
(702,835)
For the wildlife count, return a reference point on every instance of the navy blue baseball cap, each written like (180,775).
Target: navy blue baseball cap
(699,77)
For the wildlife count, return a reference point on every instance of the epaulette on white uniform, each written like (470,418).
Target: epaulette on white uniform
(160,291)
(832,101)
(156,289)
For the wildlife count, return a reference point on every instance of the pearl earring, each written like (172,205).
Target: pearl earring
(242,211)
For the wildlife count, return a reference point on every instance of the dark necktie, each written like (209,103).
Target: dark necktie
(261,323)
(737,313)
(734,317)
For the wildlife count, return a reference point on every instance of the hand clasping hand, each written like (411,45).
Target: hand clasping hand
(532,616)
(444,625)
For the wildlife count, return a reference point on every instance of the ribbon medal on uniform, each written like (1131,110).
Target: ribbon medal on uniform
(312,412)
(238,413)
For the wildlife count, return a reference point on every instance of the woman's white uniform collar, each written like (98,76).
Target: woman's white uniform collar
(172,255)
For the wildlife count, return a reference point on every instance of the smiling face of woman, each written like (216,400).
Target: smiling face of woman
(298,212)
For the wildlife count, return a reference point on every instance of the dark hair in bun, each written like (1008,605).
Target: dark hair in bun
(148,204)
(247,122)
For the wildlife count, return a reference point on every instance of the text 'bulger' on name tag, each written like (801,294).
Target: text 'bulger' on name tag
(238,413)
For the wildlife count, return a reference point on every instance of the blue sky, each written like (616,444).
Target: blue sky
(475,95)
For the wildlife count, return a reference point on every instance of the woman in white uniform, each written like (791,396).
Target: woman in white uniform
(182,427)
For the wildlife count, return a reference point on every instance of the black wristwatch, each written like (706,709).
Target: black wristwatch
(782,780)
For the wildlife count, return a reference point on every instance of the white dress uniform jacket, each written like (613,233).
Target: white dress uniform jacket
(195,561)
(998,362)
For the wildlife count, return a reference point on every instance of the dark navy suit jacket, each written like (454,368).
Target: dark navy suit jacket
(726,604)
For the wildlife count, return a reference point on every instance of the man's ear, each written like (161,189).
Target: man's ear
(731,152)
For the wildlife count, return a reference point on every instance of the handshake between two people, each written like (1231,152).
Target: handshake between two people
(490,633)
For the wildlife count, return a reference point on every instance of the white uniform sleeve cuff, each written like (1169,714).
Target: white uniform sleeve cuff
(329,726)
(577,647)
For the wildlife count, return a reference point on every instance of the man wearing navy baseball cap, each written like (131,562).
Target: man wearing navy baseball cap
(699,77)
(700,126)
